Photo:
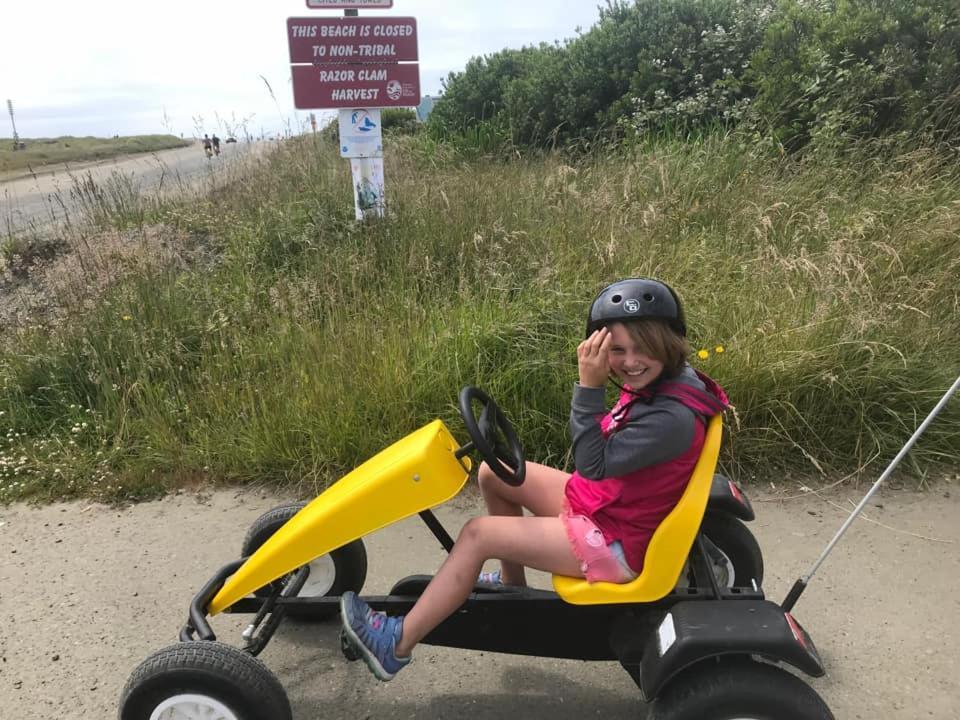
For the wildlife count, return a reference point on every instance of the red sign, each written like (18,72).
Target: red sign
(348,4)
(350,39)
(343,85)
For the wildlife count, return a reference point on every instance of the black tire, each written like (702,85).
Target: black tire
(737,689)
(344,568)
(412,585)
(743,558)
(215,673)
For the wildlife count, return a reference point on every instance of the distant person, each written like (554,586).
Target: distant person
(207,146)
(216,144)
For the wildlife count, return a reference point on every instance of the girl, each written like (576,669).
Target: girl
(632,466)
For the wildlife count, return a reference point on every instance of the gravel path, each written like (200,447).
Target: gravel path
(88,591)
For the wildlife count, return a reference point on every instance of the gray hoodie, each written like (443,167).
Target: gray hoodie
(652,433)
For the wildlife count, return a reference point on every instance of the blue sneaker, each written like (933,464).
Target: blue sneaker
(494,577)
(374,635)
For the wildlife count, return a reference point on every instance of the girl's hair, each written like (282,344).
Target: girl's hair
(657,339)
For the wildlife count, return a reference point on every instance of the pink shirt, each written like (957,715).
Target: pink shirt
(629,507)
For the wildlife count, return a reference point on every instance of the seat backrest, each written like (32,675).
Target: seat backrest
(669,546)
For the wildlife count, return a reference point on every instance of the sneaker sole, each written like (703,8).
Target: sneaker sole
(368,657)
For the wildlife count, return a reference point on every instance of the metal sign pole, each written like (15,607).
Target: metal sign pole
(16,138)
(367,181)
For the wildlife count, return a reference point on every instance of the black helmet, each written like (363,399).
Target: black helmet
(633,299)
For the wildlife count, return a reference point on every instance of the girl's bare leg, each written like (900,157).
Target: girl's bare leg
(536,542)
(541,493)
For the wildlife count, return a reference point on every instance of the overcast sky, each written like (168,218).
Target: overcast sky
(116,67)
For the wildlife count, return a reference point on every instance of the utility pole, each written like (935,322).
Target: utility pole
(16,139)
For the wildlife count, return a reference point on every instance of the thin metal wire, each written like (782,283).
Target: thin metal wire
(886,473)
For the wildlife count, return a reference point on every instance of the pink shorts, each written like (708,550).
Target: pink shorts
(599,562)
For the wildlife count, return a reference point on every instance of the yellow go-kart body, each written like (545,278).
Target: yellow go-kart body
(655,632)
(422,471)
(414,474)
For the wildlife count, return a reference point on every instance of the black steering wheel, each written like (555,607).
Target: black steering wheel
(493,436)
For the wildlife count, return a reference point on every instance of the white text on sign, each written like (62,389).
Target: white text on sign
(352,75)
(351,31)
(349,51)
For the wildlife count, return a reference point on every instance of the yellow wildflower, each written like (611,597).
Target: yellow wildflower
(718,349)
(703,354)
(127,318)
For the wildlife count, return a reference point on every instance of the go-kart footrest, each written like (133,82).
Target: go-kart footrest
(273,613)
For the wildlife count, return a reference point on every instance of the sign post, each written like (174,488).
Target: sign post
(357,65)
(16,138)
(361,140)
(368,187)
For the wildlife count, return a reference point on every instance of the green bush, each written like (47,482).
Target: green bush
(790,70)
(477,93)
(691,73)
(641,66)
(839,69)
(399,121)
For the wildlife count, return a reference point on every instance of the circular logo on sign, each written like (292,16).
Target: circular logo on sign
(631,306)
(393,89)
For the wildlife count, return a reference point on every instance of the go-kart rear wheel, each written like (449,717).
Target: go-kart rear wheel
(330,575)
(203,680)
(739,562)
(413,585)
(737,689)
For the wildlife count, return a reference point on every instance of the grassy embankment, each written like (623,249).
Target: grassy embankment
(56,151)
(303,342)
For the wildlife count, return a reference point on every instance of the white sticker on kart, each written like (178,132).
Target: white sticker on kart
(666,634)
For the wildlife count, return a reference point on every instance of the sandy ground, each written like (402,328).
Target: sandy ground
(88,591)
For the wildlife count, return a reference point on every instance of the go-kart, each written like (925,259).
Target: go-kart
(693,630)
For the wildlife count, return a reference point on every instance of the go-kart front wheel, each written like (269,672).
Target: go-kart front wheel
(330,575)
(203,681)
(738,688)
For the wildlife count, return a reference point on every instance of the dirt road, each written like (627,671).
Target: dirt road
(87,592)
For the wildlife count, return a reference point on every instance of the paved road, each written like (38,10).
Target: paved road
(46,197)
(87,592)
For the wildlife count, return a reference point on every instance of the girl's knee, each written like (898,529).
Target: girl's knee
(473,531)
(487,479)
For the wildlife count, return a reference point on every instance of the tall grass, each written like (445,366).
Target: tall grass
(305,342)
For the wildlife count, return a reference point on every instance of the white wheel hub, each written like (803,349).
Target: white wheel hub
(192,707)
(725,566)
(323,573)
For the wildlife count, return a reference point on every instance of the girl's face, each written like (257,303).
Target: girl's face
(628,363)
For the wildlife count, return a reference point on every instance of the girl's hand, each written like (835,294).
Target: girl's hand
(593,358)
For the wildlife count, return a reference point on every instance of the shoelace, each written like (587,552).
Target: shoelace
(375,620)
